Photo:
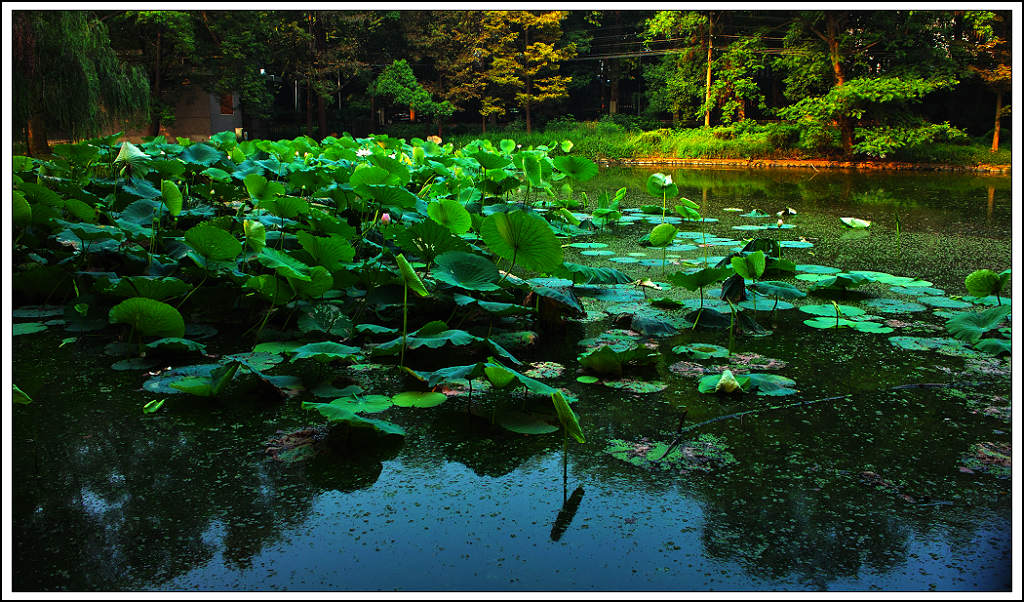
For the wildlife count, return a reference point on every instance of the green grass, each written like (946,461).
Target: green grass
(604,140)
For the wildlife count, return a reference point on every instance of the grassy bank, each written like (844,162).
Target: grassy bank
(606,141)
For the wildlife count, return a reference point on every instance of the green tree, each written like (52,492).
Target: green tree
(526,58)
(693,34)
(880,70)
(399,83)
(991,58)
(68,80)
(736,87)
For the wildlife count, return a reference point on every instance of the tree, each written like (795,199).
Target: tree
(992,59)
(736,86)
(527,57)
(399,83)
(879,70)
(694,32)
(68,79)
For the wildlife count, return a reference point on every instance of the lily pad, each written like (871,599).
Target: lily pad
(705,454)
(419,399)
(810,268)
(943,302)
(636,386)
(894,306)
(701,351)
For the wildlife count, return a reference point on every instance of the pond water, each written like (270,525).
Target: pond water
(873,487)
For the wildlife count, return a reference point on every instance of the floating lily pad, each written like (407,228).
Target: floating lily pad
(523,422)
(701,351)
(894,306)
(624,259)
(587,245)
(598,253)
(943,302)
(38,311)
(705,454)
(829,310)
(27,328)
(636,386)
(943,345)
(419,399)
(544,370)
(810,268)
(917,291)
(587,379)
(795,244)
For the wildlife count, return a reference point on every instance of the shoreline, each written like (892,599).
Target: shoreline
(807,164)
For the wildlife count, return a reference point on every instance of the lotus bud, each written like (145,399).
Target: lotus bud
(779,223)
(385,219)
(727,383)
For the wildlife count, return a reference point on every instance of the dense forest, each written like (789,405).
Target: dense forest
(864,83)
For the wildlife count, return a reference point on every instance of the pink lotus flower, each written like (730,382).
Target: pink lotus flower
(385,219)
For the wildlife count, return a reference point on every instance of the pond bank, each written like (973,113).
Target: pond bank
(805,163)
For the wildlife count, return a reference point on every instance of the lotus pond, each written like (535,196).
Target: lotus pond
(366,364)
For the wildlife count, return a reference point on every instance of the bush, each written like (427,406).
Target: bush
(782,135)
(562,122)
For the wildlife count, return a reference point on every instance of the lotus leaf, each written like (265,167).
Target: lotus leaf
(750,266)
(894,306)
(633,385)
(171,196)
(943,302)
(148,317)
(212,242)
(661,185)
(524,239)
(971,326)
(324,351)
(981,283)
(260,189)
(284,264)
(701,351)
(705,454)
(994,346)
(338,414)
(578,168)
(854,222)
(417,399)
(202,154)
(428,239)
(177,345)
(466,270)
(271,288)
(409,277)
(153,287)
(567,417)
(206,384)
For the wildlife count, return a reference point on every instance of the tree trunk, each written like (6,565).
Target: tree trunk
(154,118)
(999,110)
(321,116)
(707,84)
(845,122)
(38,145)
(412,115)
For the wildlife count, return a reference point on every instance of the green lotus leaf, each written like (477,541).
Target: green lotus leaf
(153,287)
(499,376)
(994,346)
(171,196)
(662,234)
(338,414)
(260,189)
(357,404)
(130,155)
(782,290)
(428,239)
(982,283)
(176,345)
(490,160)
(567,417)
(270,287)
(324,351)
(18,396)
(661,185)
(450,214)
(398,172)
(583,274)
(216,174)
(212,242)
(750,266)
(21,211)
(256,234)
(148,317)
(701,351)
(970,326)
(943,302)
(200,153)
(320,281)
(770,384)
(368,175)
(466,270)
(409,277)
(284,264)
(894,306)
(830,310)
(419,399)
(27,328)
(206,384)
(523,238)
(580,169)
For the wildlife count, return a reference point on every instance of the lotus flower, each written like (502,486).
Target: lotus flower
(385,219)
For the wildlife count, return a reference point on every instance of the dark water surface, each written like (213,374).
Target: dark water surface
(858,493)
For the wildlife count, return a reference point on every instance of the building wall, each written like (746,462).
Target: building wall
(197,117)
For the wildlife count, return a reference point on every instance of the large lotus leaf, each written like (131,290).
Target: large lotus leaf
(454,373)
(584,274)
(894,306)
(201,153)
(450,214)
(320,281)
(176,345)
(216,174)
(212,242)
(493,307)
(324,351)
(661,185)
(368,175)
(499,376)
(326,318)
(142,189)
(831,310)
(205,384)
(490,160)
(337,414)
(171,196)
(771,384)
(982,283)
(662,234)
(994,346)
(726,382)
(944,345)
(578,168)
(153,287)
(260,189)
(288,207)
(328,251)
(523,238)
(271,288)
(398,172)
(419,399)
(811,268)
(750,266)
(428,239)
(409,277)
(256,234)
(148,317)
(429,337)
(130,155)
(971,326)
(782,290)
(27,328)
(390,196)
(21,211)
(80,154)
(701,351)
(700,278)
(610,359)
(353,404)
(943,302)
(466,270)
(284,264)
